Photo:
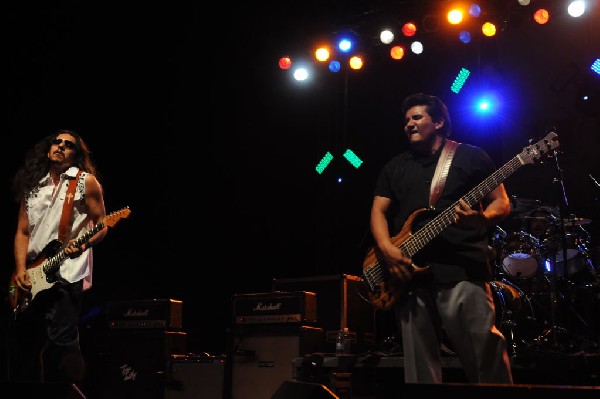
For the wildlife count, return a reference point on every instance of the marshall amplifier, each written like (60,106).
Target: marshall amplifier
(163,314)
(298,307)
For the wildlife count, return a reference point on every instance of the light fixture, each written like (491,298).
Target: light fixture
(576,8)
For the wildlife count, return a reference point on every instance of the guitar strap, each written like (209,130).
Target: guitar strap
(441,172)
(65,218)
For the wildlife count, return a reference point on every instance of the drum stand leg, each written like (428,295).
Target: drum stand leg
(559,304)
(514,351)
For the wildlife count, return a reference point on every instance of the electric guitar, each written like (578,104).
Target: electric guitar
(43,269)
(383,289)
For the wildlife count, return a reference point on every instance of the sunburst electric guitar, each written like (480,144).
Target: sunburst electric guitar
(383,290)
(43,269)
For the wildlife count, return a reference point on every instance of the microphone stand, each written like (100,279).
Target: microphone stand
(563,205)
(555,294)
(592,268)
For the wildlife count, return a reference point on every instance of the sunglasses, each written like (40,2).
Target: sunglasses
(69,144)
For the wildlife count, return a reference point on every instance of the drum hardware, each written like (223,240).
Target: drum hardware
(526,264)
(563,293)
(579,333)
(559,222)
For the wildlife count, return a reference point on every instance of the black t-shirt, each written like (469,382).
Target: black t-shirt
(454,254)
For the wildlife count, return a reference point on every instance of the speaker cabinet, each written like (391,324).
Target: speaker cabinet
(195,377)
(262,357)
(340,303)
(303,390)
(133,363)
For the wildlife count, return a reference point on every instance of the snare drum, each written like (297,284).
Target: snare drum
(520,257)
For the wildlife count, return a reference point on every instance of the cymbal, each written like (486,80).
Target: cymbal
(568,222)
(526,201)
(576,221)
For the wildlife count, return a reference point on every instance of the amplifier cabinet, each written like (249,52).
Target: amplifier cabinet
(195,377)
(297,308)
(341,302)
(165,314)
(262,357)
(133,363)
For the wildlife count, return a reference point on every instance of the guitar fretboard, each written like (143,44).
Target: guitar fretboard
(432,229)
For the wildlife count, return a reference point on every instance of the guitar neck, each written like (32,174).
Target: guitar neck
(433,228)
(87,235)
(52,263)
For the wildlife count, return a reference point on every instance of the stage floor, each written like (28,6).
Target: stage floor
(376,375)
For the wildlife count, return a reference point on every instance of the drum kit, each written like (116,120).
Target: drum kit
(546,288)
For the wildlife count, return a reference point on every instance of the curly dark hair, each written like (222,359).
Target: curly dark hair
(435,107)
(36,164)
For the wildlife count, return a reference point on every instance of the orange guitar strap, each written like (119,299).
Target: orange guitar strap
(441,172)
(65,219)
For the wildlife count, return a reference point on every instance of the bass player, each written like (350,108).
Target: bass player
(444,290)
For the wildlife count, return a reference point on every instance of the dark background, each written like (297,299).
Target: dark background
(195,128)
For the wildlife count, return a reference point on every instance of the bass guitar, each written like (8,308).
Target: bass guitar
(43,269)
(383,290)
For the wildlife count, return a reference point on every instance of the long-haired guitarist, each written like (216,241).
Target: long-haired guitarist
(47,300)
(443,291)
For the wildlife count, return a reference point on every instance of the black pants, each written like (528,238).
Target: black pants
(45,337)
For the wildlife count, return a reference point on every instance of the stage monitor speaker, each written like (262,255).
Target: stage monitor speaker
(263,357)
(303,390)
(495,391)
(54,390)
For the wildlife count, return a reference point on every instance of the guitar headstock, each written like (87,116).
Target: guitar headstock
(533,152)
(112,219)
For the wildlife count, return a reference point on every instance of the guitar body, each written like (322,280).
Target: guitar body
(19,299)
(43,271)
(387,291)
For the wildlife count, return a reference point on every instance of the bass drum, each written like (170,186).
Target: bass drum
(520,255)
(515,317)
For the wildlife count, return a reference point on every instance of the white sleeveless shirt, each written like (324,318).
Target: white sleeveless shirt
(44,210)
